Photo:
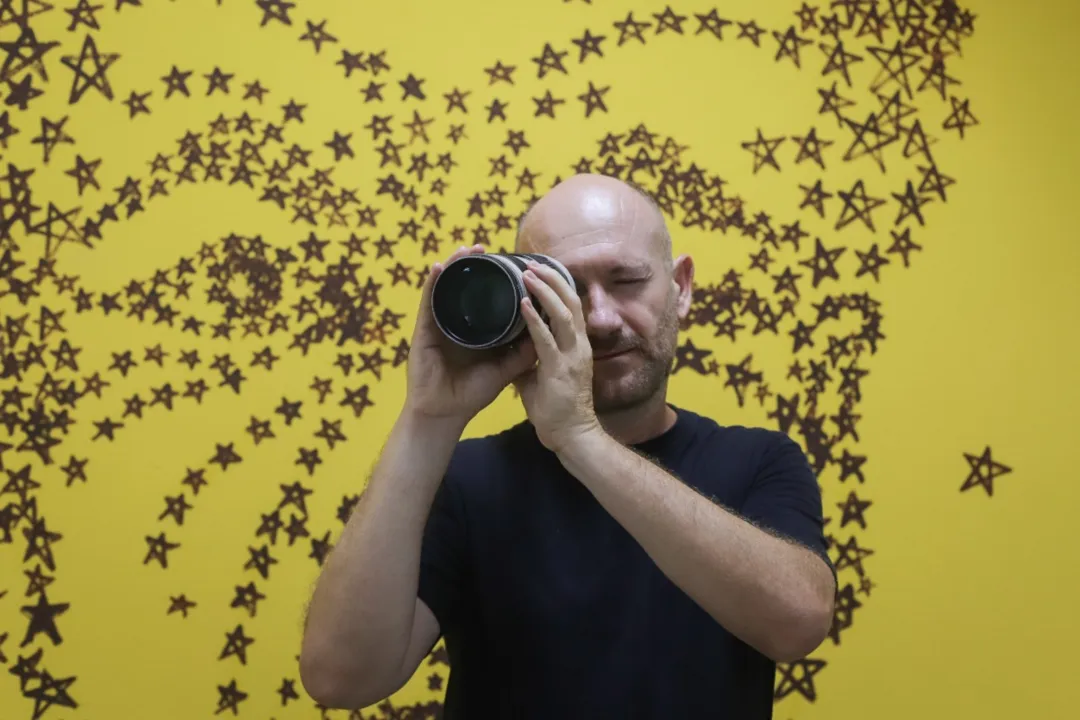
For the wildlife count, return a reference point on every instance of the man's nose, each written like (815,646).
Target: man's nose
(601,314)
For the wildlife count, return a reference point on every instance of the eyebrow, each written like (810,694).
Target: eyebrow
(639,267)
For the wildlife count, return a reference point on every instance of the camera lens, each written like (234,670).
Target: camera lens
(475,300)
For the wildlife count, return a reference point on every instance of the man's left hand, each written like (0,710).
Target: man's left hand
(557,393)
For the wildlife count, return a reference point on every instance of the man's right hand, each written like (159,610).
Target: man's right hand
(446,381)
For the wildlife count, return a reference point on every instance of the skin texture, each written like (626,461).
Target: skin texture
(633,293)
(774,594)
(366,631)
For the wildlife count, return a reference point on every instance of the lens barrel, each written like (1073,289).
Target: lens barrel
(476,300)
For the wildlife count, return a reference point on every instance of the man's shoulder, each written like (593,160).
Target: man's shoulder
(751,440)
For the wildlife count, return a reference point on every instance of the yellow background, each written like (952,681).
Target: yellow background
(972,612)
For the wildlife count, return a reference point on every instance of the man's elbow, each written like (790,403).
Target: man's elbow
(334,688)
(808,622)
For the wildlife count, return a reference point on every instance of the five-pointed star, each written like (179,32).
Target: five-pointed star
(984,470)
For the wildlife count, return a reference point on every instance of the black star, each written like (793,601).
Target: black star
(790,43)
(823,263)
(254,90)
(857,206)
(911,203)
(38,580)
(984,470)
(225,455)
(853,509)
(247,597)
(21,93)
(843,611)
(763,150)
(839,60)
(589,44)
(259,430)
(316,33)
(50,691)
(851,555)
(136,103)
(669,20)
(357,399)
(309,458)
(287,691)
(158,549)
(260,561)
(217,80)
(832,102)
(751,31)
(960,119)
(690,356)
(229,698)
(631,29)
(106,428)
(810,147)
(75,470)
(711,22)
(275,10)
(550,60)
(269,525)
(83,13)
(903,245)
(43,619)
(320,548)
(84,80)
(179,604)
(594,98)
(175,507)
(52,134)
(297,528)
(195,479)
(895,64)
(870,262)
(500,73)
(331,432)
(176,81)
(933,181)
(236,643)
(411,87)
(798,677)
(456,100)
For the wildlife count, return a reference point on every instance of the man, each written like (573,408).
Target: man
(613,555)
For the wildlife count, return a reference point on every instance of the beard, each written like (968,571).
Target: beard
(639,375)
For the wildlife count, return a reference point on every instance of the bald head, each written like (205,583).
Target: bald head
(588,209)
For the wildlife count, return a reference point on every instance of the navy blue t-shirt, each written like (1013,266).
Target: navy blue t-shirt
(550,608)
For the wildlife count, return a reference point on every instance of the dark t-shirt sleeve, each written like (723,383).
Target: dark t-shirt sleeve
(442,580)
(785,497)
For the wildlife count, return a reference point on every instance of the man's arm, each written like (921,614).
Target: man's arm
(775,595)
(358,631)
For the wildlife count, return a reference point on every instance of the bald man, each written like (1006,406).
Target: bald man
(613,555)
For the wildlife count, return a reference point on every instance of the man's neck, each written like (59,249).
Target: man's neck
(638,424)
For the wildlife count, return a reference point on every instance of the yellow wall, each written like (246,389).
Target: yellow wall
(971,611)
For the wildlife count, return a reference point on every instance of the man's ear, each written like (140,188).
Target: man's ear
(682,274)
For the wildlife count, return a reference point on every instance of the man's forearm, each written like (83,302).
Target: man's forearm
(775,596)
(361,611)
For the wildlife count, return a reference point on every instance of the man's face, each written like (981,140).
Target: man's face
(611,242)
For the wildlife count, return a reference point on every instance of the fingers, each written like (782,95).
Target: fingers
(519,360)
(563,325)
(547,349)
(558,283)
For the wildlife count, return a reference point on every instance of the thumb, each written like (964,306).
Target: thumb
(518,360)
(525,384)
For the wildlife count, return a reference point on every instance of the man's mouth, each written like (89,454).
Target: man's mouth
(609,355)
